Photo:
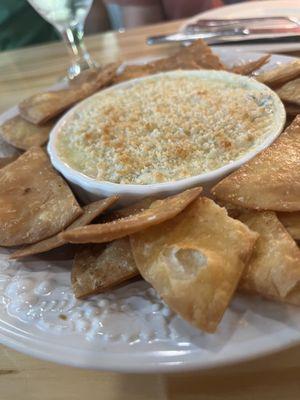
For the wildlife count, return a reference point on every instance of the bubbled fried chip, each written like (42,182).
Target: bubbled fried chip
(198,55)
(134,71)
(159,211)
(292,110)
(42,107)
(269,181)
(90,212)
(195,261)
(22,134)
(99,267)
(291,222)
(35,202)
(290,92)
(7,160)
(274,268)
(233,211)
(96,78)
(201,54)
(89,75)
(251,66)
(280,75)
(129,210)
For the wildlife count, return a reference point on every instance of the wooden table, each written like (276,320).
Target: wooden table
(23,72)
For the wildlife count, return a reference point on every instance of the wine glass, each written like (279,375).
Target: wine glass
(68,17)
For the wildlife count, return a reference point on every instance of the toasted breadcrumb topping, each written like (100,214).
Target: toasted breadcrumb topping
(165,129)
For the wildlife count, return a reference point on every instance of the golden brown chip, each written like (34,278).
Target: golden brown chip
(291,222)
(195,261)
(274,268)
(129,210)
(89,75)
(7,160)
(196,56)
(292,109)
(251,66)
(271,180)
(35,202)
(200,53)
(159,211)
(290,92)
(90,212)
(134,71)
(99,267)
(22,134)
(96,78)
(42,107)
(232,210)
(280,75)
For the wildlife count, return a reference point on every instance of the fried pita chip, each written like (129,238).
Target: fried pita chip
(35,202)
(42,107)
(159,211)
(232,210)
(280,75)
(290,92)
(7,160)
(22,134)
(291,222)
(198,55)
(87,76)
(188,261)
(271,180)
(292,109)
(129,210)
(96,76)
(274,268)
(251,66)
(90,212)
(289,120)
(99,267)
(134,71)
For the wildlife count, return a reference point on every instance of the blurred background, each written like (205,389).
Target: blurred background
(21,25)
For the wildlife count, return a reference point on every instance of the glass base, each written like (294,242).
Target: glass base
(81,65)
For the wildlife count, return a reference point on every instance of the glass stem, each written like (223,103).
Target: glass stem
(81,59)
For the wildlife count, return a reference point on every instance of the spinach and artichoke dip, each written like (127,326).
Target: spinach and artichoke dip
(165,128)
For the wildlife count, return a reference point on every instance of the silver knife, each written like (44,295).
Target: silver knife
(188,37)
(214,23)
(239,33)
(257,40)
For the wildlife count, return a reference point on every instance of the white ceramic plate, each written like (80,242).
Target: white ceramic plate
(129,329)
(256,9)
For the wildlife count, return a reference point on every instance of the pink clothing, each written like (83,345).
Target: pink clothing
(173,9)
(186,8)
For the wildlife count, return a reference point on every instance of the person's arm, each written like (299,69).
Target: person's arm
(138,12)
(175,9)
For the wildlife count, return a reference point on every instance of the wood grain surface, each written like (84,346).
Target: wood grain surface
(28,70)
(276,377)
